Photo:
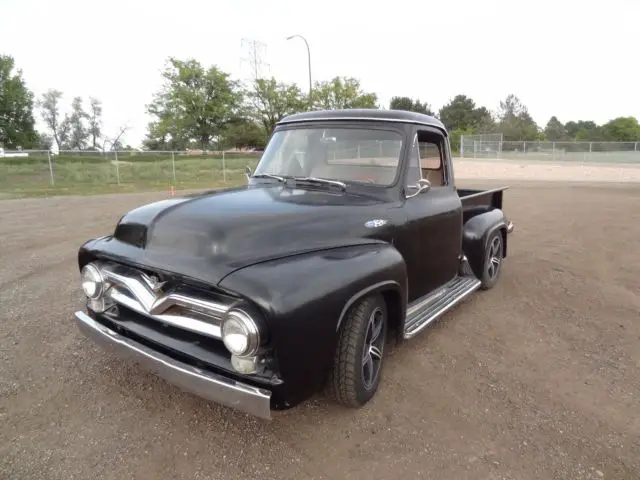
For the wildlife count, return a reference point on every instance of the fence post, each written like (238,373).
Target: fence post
(461,146)
(553,150)
(173,166)
(524,146)
(635,147)
(117,166)
(50,167)
(224,168)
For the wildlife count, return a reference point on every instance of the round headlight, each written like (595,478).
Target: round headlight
(92,281)
(240,334)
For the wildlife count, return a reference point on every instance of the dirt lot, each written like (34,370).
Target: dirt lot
(546,171)
(536,379)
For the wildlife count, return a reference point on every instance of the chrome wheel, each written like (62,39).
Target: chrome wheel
(358,362)
(494,257)
(372,348)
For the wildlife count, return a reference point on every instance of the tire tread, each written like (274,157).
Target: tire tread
(342,381)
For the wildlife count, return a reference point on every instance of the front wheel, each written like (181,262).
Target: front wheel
(492,260)
(356,371)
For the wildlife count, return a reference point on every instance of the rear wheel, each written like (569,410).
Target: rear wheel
(358,359)
(492,260)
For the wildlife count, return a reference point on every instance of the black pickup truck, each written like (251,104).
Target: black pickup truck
(350,234)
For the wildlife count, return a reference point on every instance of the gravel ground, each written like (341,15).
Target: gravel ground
(537,378)
(545,171)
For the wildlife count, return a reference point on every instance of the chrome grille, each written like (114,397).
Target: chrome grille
(179,306)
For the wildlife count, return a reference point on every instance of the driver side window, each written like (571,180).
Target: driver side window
(430,146)
(414,172)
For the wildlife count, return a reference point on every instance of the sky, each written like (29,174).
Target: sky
(569,58)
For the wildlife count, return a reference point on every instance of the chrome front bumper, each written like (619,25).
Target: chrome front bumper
(219,389)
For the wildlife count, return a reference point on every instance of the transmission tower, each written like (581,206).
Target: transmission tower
(256,51)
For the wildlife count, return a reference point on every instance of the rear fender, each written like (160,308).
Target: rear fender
(306,297)
(475,235)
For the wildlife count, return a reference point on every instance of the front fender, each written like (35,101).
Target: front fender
(475,234)
(304,297)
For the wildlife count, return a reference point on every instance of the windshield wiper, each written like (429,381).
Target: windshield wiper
(268,175)
(323,181)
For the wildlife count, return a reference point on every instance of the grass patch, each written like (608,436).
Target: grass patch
(85,174)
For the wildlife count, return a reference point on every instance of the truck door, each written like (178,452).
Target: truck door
(434,216)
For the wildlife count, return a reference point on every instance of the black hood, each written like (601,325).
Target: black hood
(210,235)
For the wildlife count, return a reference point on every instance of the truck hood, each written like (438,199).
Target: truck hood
(210,235)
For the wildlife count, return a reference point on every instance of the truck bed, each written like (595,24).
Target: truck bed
(493,196)
(477,201)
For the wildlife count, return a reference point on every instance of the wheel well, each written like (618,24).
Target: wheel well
(503,232)
(504,235)
(394,310)
(393,301)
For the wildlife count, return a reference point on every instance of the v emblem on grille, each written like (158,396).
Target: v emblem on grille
(153,282)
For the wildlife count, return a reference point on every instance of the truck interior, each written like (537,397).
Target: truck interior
(365,160)
(426,153)
(431,158)
(369,155)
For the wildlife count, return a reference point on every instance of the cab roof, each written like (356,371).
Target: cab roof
(371,114)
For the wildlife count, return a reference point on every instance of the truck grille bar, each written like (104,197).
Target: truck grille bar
(180,306)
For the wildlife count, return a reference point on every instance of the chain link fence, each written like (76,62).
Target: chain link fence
(484,142)
(484,146)
(38,173)
(33,173)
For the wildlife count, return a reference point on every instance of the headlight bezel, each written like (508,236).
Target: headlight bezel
(250,327)
(98,279)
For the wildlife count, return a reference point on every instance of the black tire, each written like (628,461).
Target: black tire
(493,256)
(350,382)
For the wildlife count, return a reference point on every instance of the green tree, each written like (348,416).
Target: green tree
(583,130)
(455,134)
(95,121)
(79,133)
(410,105)
(17,125)
(622,129)
(571,129)
(554,131)
(270,101)
(116,142)
(195,103)
(461,113)
(60,128)
(515,122)
(342,92)
(484,122)
(158,138)
(164,133)
(245,133)
(43,142)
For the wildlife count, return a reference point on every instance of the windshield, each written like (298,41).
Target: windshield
(343,154)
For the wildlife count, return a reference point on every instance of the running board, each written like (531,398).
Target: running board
(423,312)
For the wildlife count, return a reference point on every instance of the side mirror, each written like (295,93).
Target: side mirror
(421,186)
(247,172)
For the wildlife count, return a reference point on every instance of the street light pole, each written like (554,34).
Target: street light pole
(309,61)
